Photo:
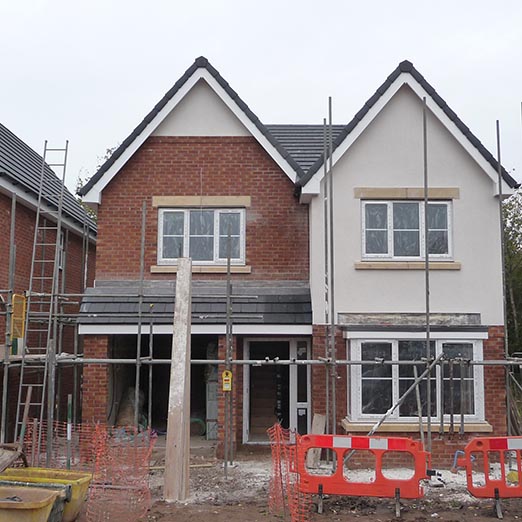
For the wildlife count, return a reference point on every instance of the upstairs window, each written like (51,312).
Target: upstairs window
(395,229)
(201,234)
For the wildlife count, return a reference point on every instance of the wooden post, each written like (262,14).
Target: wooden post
(177,454)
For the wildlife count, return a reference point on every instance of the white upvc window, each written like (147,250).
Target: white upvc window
(395,230)
(376,388)
(201,234)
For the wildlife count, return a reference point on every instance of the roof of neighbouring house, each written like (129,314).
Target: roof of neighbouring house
(22,166)
(407,67)
(255,302)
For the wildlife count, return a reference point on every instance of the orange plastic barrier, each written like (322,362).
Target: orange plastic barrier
(500,467)
(342,445)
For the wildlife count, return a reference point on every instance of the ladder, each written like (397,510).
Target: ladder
(39,346)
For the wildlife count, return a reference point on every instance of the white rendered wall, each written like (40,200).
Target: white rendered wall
(201,113)
(389,154)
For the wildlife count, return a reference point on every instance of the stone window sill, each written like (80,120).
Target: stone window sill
(398,427)
(406,265)
(202,269)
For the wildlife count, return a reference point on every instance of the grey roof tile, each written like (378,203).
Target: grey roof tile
(284,302)
(23,166)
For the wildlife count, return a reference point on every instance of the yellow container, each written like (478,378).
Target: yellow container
(34,504)
(79,482)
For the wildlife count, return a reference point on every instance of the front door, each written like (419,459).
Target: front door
(275,392)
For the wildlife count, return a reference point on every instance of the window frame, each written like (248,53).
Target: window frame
(389,255)
(216,260)
(355,377)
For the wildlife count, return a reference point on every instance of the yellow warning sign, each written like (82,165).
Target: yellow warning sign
(18,317)
(227,381)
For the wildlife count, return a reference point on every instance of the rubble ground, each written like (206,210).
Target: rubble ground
(243,496)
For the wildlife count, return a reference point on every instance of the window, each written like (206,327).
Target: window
(201,234)
(395,229)
(455,387)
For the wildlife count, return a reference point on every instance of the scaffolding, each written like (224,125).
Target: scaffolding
(59,316)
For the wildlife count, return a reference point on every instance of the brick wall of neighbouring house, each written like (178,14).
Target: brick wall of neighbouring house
(276,224)
(444,447)
(24,236)
(95,379)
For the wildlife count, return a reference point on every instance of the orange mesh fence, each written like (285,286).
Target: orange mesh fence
(120,491)
(118,458)
(75,452)
(285,495)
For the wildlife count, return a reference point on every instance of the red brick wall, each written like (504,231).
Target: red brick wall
(319,375)
(495,381)
(95,379)
(237,397)
(276,224)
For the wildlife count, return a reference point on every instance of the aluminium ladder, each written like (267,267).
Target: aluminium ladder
(39,347)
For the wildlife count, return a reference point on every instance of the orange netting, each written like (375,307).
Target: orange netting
(75,452)
(120,491)
(117,457)
(284,492)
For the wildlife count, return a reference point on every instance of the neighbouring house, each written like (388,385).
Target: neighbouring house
(20,173)
(204,167)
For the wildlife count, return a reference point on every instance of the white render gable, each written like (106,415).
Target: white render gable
(237,121)
(312,187)
(201,113)
(388,156)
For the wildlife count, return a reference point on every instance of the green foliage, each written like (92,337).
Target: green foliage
(512,212)
(84,177)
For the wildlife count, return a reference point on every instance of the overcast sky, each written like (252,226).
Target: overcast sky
(89,71)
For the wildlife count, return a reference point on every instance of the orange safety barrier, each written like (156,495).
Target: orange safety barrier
(493,467)
(343,447)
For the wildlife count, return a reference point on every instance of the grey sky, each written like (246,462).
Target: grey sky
(90,71)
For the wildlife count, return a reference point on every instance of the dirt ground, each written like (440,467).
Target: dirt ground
(243,496)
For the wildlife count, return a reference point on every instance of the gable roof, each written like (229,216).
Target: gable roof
(157,114)
(22,167)
(353,126)
(304,143)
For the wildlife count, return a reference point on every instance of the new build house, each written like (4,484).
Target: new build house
(204,168)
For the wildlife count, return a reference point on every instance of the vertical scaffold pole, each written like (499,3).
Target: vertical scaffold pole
(503,262)
(331,287)
(426,267)
(229,423)
(326,278)
(140,317)
(9,311)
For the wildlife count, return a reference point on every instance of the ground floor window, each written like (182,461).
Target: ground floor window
(456,386)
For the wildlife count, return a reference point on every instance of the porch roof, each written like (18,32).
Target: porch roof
(253,302)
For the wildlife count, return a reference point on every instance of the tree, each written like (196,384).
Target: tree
(84,177)
(512,213)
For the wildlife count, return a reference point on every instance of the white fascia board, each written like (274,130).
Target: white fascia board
(506,189)
(94,194)
(211,329)
(28,200)
(313,185)
(413,335)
